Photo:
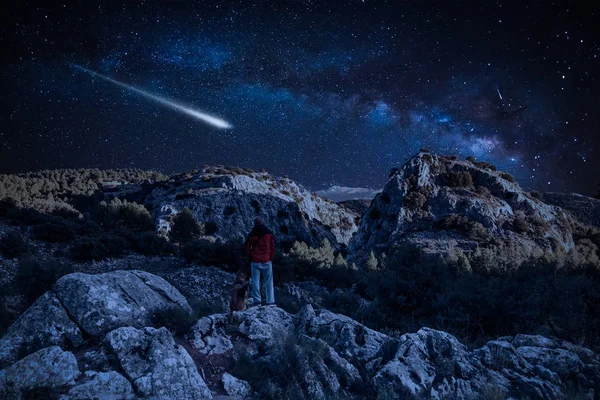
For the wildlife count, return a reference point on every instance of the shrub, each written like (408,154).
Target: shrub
(322,257)
(87,249)
(229,255)
(99,248)
(124,214)
(229,210)
(374,214)
(184,227)
(415,200)
(536,195)
(210,228)
(371,263)
(283,374)
(471,159)
(457,179)
(13,245)
(508,177)
(37,277)
(174,319)
(54,232)
(462,224)
(520,225)
(153,244)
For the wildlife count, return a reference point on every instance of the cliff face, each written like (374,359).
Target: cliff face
(443,207)
(229,200)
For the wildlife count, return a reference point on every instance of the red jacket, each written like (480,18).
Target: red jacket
(260,246)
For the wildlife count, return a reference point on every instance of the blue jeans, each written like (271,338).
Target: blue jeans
(267,272)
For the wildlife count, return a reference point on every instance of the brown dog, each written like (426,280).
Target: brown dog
(239,299)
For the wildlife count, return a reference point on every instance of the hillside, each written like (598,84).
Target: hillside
(467,212)
(455,283)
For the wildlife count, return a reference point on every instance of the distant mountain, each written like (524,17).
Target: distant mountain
(342,193)
(466,212)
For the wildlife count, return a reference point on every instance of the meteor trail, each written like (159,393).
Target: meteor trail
(209,119)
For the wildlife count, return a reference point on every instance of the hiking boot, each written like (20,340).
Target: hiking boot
(271,305)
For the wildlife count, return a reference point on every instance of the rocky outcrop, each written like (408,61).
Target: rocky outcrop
(45,369)
(102,385)
(464,212)
(155,365)
(236,387)
(313,354)
(46,323)
(104,302)
(335,356)
(108,309)
(226,202)
(585,209)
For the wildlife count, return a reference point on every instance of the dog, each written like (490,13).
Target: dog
(239,298)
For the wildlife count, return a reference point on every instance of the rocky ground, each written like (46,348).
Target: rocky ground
(101,336)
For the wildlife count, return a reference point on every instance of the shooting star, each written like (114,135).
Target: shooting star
(499,94)
(209,119)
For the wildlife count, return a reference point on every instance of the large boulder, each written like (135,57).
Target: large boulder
(462,212)
(157,367)
(227,200)
(45,369)
(104,302)
(102,385)
(45,323)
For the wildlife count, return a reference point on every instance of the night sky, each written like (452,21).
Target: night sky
(324,92)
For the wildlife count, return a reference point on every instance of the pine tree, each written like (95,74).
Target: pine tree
(372,262)
(184,227)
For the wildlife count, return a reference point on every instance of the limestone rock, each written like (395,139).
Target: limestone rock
(446,209)
(103,385)
(101,303)
(230,199)
(47,368)
(157,366)
(44,324)
(208,335)
(235,387)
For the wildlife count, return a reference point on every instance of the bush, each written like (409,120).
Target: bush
(37,277)
(124,214)
(13,245)
(414,200)
(463,225)
(507,176)
(153,244)
(184,227)
(457,179)
(54,232)
(520,225)
(100,248)
(229,255)
(87,249)
(283,374)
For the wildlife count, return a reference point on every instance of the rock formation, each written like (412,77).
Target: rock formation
(464,212)
(226,202)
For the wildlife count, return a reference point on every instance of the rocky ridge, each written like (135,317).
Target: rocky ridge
(445,208)
(106,352)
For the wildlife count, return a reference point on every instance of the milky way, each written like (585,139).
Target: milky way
(323,94)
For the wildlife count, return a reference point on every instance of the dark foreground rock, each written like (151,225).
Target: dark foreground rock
(264,352)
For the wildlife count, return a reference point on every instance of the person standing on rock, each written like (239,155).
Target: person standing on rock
(260,250)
